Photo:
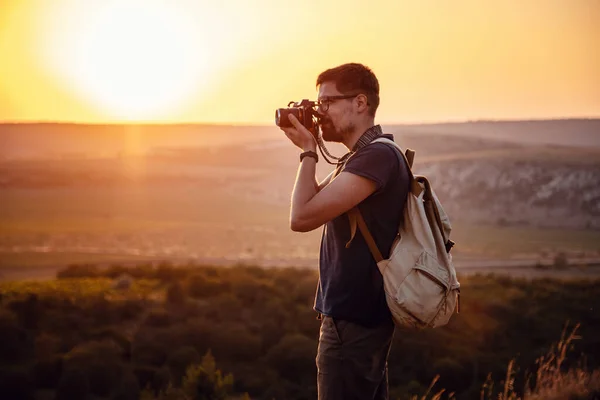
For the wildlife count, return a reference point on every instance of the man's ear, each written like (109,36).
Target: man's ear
(362,102)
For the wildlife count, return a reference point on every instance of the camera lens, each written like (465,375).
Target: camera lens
(278,116)
(281,116)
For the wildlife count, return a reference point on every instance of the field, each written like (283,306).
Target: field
(46,229)
(220,195)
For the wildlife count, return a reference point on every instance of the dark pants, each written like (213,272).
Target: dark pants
(352,360)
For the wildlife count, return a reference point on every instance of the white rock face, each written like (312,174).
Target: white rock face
(518,192)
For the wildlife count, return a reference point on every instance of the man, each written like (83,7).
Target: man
(356,325)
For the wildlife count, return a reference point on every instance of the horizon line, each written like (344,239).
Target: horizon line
(256,124)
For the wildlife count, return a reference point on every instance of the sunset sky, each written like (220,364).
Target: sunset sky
(237,61)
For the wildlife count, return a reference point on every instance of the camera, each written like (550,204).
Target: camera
(304,111)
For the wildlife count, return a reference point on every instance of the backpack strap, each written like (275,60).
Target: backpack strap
(409,155)
(357,217)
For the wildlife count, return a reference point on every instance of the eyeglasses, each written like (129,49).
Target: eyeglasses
(323,104)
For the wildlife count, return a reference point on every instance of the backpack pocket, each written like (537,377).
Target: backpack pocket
(421,294)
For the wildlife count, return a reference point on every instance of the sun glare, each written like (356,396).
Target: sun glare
(135,60)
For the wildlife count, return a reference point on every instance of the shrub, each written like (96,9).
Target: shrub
(166,272)
(129,388)
(233,341)
(73,385)
(252,292)
(28,311)
(15,342)
(144,375)
(206,382)
(115,270)
(180,360)
(78,271)
(224,307)
(103,376)
(127,309)
(47,372)
(453,375)
(150,353)
(114,335)
(200,286)
(294,357)
(175,294)
(16,384)
(100,362)
(122,282)
(158,319)
(46,345)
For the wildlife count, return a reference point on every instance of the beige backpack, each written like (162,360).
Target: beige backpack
(419,278)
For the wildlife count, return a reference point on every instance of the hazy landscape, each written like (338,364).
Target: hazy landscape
(146,251)
(177,276)
(518,193)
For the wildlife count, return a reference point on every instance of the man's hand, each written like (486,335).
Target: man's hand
(299,135)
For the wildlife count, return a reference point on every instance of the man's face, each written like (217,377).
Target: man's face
(337,121)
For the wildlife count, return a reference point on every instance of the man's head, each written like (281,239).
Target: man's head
(349,97)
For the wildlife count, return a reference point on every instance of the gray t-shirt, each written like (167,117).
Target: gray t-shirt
(350,285)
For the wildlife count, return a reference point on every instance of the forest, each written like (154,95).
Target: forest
(167,331)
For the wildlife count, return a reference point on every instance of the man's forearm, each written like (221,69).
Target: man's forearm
(305,188)
(306,184)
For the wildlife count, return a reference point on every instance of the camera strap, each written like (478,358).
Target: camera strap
(323,150)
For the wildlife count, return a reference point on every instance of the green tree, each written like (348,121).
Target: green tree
(180,360)
(294,357)
(202,382)
(206,382)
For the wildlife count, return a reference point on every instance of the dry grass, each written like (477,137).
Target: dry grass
(552,380)
(436,396)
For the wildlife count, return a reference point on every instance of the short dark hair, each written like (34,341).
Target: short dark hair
(353,78)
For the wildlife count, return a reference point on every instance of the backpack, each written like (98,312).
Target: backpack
(419,278)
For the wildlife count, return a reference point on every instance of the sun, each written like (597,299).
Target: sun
(133,59)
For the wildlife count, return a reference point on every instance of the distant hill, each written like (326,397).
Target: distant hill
(566,132)
(529,173)
(60,140)
(70,140)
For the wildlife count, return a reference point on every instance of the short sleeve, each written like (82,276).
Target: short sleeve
(377,162)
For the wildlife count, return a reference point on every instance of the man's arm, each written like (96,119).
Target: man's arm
(311,209)
(324,182)
(312,206)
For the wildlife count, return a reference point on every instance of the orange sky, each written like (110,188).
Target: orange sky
(236,61)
